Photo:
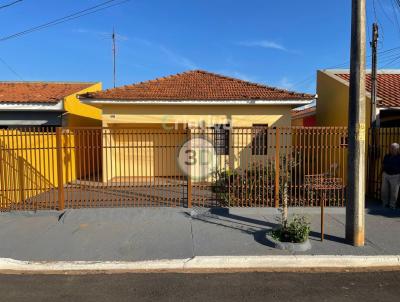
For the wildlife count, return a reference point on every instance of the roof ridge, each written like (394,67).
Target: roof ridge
(45,82)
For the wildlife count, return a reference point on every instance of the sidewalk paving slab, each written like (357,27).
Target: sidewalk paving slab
(138,234)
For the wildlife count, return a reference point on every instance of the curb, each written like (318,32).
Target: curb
(206,263)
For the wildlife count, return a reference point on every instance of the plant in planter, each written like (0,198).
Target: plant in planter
(296,230)
(292,234)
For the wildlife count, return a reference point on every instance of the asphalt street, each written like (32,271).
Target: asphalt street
(232,287)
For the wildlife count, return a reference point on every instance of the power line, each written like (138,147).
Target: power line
(377,19)
(385,59)
(10,68)
(79,14)
(394,13)
(391,62)
(374,8)
(10,4)
(385,55)
(75,15)
(367,16)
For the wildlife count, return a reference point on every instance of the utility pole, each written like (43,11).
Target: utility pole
(374,118)
(355,216)
(113,50)
(374,45)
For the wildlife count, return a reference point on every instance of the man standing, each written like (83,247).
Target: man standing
(391,177)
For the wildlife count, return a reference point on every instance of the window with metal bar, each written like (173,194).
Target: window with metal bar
(221,139)
(259,142)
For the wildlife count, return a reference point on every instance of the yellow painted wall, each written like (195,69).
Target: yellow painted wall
(141,152)
(332,105)
(240,115)
(79,114)
(163,118)
(333,102)
(28,162)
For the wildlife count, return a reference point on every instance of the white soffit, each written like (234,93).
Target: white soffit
(32,106)
(196,102)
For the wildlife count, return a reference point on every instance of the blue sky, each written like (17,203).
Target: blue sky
(279,43)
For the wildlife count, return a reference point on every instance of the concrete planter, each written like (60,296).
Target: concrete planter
(289,246)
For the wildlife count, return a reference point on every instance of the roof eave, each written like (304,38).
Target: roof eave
(293,102)
(334,76)
(32,106)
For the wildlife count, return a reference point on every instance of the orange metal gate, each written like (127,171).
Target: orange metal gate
(45,168)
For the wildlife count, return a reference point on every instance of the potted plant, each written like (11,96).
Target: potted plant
(292,234)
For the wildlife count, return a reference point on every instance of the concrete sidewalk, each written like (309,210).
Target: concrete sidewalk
(138,234)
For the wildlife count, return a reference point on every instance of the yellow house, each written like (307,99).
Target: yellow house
(333,97)
(332,110)
(172,104)
(50,104)
(29,160)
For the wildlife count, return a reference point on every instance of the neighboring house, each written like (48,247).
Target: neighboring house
(31,158)
(24,104)
(333,98)
(304,117)
(190,99)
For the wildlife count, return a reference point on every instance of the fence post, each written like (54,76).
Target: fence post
(21,180)
(189,178)
(2,187)
(60,172)
(277,167)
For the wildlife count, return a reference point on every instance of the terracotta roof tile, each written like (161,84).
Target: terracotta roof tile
(388,88)
(304,112)
(38,92)
(197,85)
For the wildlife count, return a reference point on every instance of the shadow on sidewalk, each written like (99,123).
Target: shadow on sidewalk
(389,213)
(250,226)
(374,207)
(316,236)
(254,227)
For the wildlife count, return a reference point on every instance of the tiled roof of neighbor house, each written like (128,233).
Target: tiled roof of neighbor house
(197,85)
(38,92)
(388,87)
(304,112)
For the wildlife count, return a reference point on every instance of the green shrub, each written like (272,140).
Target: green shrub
(297,230)
(246,184)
